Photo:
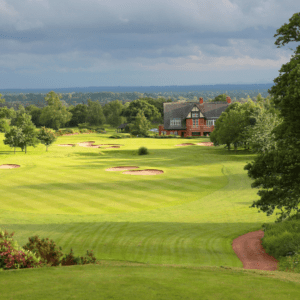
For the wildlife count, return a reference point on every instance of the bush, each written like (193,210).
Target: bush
(47,250)
(70,259)
(116,136)
(11,257)
(282,239)
(290,264)
(143,151)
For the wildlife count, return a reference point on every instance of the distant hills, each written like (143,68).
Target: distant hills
(143,89)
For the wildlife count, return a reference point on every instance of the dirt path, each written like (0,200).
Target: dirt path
(249,250)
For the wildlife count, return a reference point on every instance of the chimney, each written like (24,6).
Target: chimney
(201,100)
(228,99)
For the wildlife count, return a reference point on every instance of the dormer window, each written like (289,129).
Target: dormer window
(175,122)
(195,115)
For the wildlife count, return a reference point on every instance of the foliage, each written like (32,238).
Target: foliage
(4,126)
(159,104)
(79,115)
(70,259)
(260,135)
(14,138)
(55,115)
(14,257)
(277,172)
(27,135)
(35,113)
(46,136)
(141,125)
(95,114)
(47,250)
(150,112)
(228,129)
(282,239)
(112,112)
(143,151)
(221,98)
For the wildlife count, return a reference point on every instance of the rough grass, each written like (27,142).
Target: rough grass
(187,216)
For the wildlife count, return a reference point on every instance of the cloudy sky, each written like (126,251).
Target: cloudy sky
(81,43)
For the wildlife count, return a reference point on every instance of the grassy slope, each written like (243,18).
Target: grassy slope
(187,216)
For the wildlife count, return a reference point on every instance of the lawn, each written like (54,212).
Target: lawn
(188,216)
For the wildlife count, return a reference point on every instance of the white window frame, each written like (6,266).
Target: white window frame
(175,122)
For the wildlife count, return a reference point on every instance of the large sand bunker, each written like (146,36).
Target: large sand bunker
(89,144)
(206,144)
(9,166)
(66,145)
(121,168)
(186,144)
(144,172)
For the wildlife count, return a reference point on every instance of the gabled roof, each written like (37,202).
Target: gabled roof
(215,113)
(210,110)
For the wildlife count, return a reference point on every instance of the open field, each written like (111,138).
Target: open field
(186,217)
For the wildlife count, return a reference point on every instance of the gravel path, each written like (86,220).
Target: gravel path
(249,250)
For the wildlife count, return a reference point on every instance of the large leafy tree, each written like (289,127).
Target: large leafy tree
(140,125)
(55,115)
(46,136)
(95,114)
(23,122)
(221,98)
(112,112)
(149,110)
(228,128)
(79,114)
(277,172)
(35,113)
(14,137)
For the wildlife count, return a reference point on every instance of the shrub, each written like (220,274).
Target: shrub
(143,151)
(70,259)
(83,125)
(47,250)
(290,264)
(11,257)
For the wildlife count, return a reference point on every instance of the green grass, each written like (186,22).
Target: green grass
(187,216)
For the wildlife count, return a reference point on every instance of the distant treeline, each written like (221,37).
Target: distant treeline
(74,98)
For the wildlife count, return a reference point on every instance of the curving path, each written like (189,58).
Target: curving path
(250,251)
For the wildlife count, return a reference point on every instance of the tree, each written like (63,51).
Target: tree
(79,115)
(23,121)
(277,172)
(55,115)
(150,111)
(35,113)
(141,125)
(95,114)
(221,98)
(159,104)
(46,136)
(14,138)
(260,135)
(112,112)
(228,129)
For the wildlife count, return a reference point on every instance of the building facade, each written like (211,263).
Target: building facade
(190,118)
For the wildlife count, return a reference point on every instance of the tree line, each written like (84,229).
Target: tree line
(272,128)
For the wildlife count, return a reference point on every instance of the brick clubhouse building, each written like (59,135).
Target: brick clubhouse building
(191,118)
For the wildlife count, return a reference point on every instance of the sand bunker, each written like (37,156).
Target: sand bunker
(8,166)
(206,144)
(66,145)
(112,147)
(88,144)
(121,168)
(186,144)
(144,172)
